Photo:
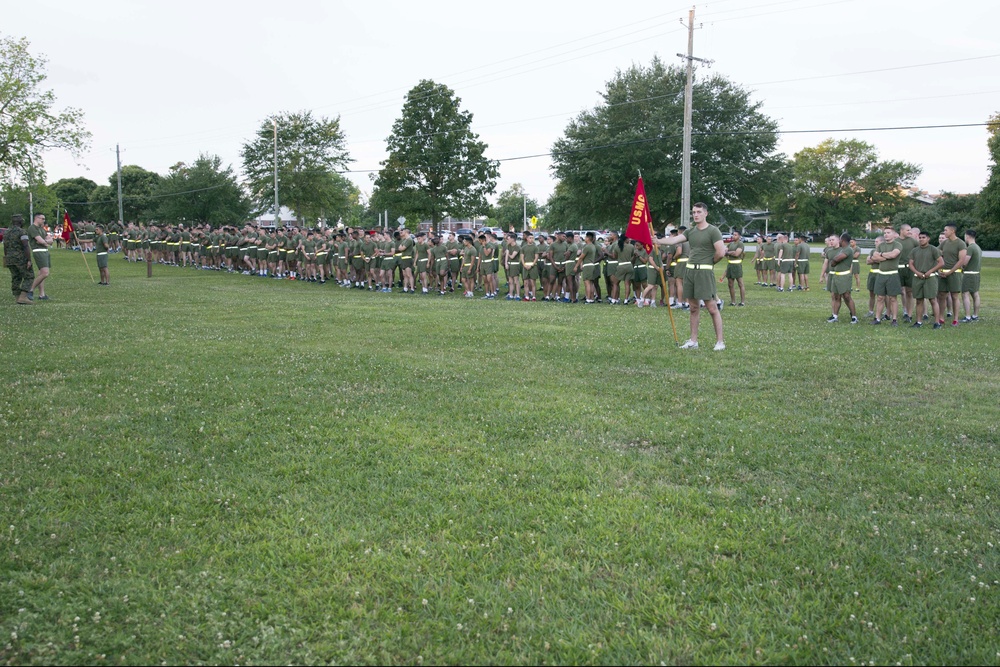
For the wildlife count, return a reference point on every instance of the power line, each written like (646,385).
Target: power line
(874,71)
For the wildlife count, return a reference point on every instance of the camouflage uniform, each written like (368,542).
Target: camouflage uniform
(17,260)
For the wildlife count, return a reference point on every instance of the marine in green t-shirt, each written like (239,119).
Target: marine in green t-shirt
(970,278)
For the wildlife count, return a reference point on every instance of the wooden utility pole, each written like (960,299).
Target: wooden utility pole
(686,161)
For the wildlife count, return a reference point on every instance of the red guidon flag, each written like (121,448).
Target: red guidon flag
(67,227)
(640,227)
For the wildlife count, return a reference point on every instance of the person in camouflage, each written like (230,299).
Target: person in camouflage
(17,259)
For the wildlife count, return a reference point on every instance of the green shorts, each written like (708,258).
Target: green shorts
(102,260)
(42,258)
(952,283)
(639,274)
(678,270)
(591,272)
(970,282)
(422,265)
(925,288)
(787,266)
(699,284)
(532,273)
(514,270)
(803,267)
(887,284)
(871,280)
(841,284)
(856,267)
(905,277)
(624,271)
(734,270)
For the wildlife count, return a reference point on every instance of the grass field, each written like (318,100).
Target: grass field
(205,468)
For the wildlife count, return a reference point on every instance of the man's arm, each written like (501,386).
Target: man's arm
(671,240)
(720,251)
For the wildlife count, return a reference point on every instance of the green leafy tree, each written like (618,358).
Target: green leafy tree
(948,208)
(437,165)
(17,199)
(28,123)
(988,209)
(512,206)
(310,152)
(202,192)
(639,127)
(841,185)
(103,204)
(74,195)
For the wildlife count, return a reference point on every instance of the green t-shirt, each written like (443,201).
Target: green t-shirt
(802,252)
(924,259)
(558,252)
(733,246)
(589,253)
(889,265)
(529,251)
(101,243)
(33,231)
(950,251)
(787,251)
(975,254)
(468,255)
(625,254)
(907,244)
(769,251)
(703,244)
(845,263)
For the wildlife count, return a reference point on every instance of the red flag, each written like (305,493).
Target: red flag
(67,227)
(640,223)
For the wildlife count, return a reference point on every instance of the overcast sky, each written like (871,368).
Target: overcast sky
(171,80)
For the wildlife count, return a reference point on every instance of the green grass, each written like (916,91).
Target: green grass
(206,468)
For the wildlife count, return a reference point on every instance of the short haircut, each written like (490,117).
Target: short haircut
(952,225)
(970,232)
(845,237)
(703,206)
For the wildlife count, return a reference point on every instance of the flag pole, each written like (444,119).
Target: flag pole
(82,253)
(663,280)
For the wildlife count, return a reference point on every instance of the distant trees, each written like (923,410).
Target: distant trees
(639,126)
(29,123)
(988,208)
(841,185)
(202,192)
(311,150)
(437,165)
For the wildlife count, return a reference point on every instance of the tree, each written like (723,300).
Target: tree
(639,127)
(138,187)
(103,204)
(16,198)
(74,194)
(512,206)
(28,124)
(437,164)
(988,209)
(841,185)
(310,152)
(202,192)
(949,207)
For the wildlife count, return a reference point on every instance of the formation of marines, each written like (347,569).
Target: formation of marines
(557,267)
(905,267)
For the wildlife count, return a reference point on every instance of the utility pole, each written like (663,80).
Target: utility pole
(118,159)
(277,208)
(686,163)
(524,210)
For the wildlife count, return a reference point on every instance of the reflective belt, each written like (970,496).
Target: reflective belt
(736,261)
(701,266)
(769,258)
(101,253)
(876,271)
(683,259)
(841,273)
(40,250)
(888,273)
(903,266)
(970,273)
(586,265)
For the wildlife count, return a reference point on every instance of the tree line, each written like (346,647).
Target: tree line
(437,166)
